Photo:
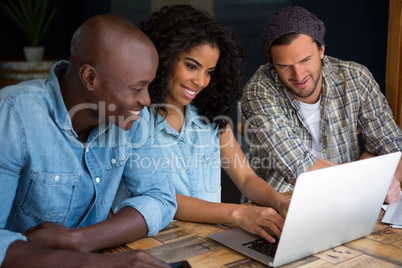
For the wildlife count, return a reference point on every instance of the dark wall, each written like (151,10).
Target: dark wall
(356,30)
(70,14)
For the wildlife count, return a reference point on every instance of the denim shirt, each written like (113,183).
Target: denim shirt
(46,174)
(191,157)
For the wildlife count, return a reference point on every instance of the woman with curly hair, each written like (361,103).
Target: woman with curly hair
(197,80)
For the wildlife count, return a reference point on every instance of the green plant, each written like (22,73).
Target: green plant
(30,16)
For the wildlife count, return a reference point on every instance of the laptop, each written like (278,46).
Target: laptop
(329,207)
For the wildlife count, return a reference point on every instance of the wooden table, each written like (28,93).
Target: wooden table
(188,241)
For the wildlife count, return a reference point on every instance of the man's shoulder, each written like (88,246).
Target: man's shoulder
(265,71)
(339,66)
(25,93)
(265,77)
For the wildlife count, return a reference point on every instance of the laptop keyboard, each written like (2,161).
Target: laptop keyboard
(263,246)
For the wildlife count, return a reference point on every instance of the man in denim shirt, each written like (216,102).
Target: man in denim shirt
(66,144)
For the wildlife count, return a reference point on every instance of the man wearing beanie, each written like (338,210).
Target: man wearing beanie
(304,111)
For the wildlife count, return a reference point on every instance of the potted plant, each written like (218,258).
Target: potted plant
(34,21)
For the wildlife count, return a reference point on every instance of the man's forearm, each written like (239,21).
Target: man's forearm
(125,226)
(398,172)
(321,163)
(366,155)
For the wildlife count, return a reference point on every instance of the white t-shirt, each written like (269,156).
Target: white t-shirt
(311,114)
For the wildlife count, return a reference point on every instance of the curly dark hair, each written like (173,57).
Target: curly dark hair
(181,28)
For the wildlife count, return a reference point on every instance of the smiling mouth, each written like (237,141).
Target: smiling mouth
(189,91)
(303,83)
(137,113)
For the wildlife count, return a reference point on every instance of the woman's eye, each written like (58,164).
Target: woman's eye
(191,67)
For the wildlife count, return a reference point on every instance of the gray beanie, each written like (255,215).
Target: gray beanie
(292,20)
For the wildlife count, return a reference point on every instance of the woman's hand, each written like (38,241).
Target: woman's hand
(283,206)
(254,219)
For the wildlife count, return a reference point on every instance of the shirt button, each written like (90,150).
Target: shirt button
(113,161)
(97,179)
(56,178)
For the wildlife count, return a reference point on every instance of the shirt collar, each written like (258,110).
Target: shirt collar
(191,118)
(60,113)
(329,78)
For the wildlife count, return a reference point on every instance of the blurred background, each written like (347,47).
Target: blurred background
(356,31)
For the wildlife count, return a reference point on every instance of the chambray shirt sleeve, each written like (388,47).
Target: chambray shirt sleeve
(11,151)
(381,135)
(269,128)
(152,192)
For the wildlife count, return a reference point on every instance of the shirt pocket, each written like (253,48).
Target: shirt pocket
(49,197)
(118,155)
(211,170)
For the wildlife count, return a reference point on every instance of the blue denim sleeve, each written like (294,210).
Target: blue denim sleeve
(10,167)
(153,196)
(8,237)
(152,192)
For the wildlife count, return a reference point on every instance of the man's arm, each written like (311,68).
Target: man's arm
(152,195)
(150,208)
(395,187)
(381,135)
(320,163)
(125,226)
(147,186)
(25,254)
(394,191)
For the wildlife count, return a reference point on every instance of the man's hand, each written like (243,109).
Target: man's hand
(53,235)
(394,191)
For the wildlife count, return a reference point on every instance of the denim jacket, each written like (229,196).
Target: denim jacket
(46,174)
(193,154)
(191,157)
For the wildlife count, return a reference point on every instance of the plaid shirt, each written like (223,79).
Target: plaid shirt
(279,143)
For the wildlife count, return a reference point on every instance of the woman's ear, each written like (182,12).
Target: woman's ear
(87,75)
